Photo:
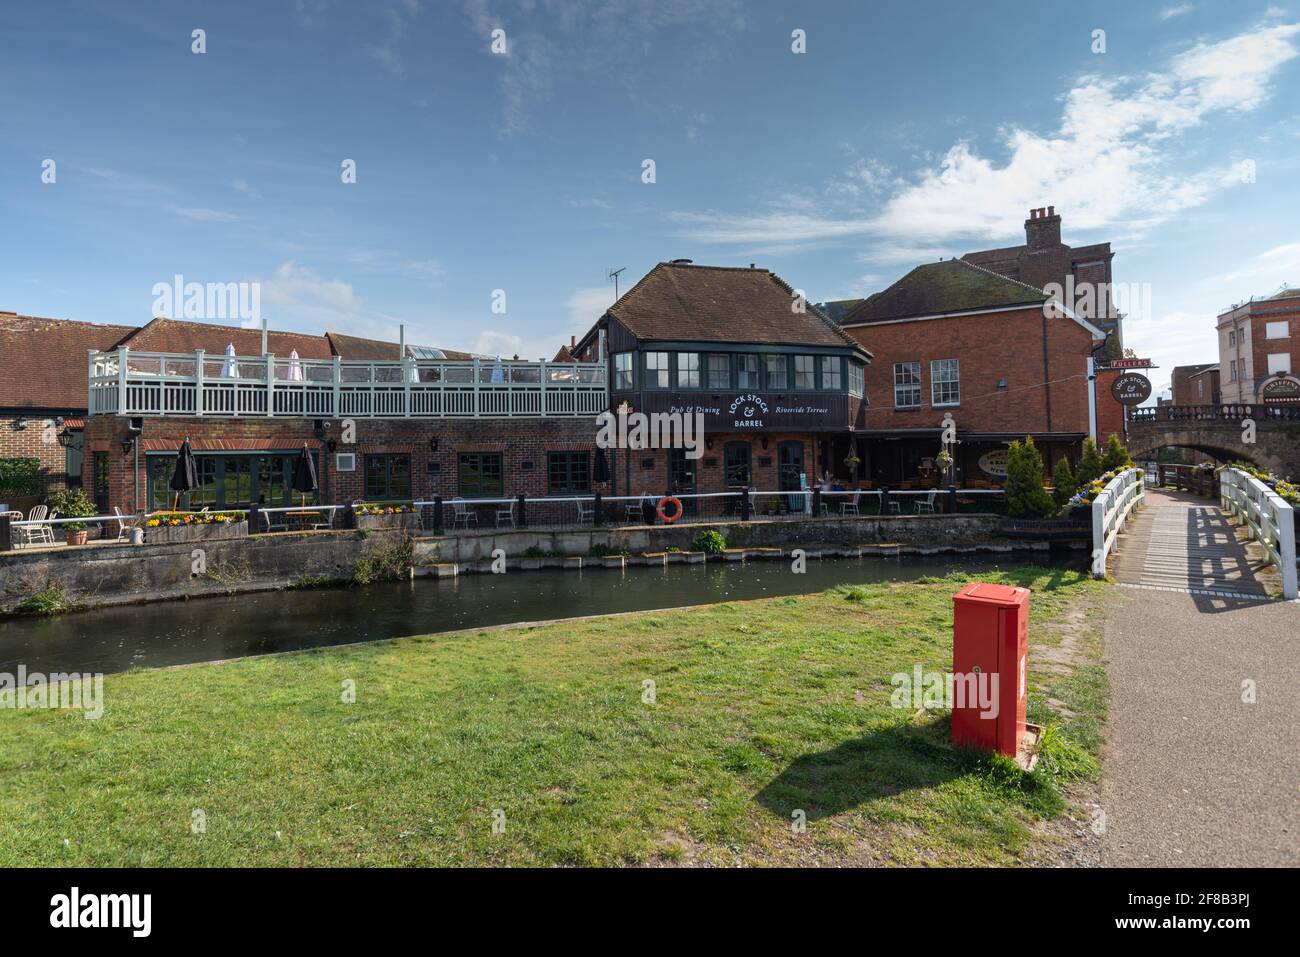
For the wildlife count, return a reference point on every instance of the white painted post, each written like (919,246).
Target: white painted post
(544,376)
(1099,533)
(270,383)
(198,381)
(476,392)
(122,353)
(90,378)
(408,366)
(338,378)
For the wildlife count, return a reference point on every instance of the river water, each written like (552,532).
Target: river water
(207,629)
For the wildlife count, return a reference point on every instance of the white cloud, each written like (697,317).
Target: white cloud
(204,215)
(587,305)
(1113,160)
(1273,267)
(1177,10)
(298,296)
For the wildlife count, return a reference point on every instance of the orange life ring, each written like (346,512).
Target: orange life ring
(669,500)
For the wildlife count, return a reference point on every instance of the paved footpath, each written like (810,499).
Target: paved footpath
(1194,776)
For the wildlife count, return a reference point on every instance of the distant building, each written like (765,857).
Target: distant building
(1259,349)
(1082,272)
(1195,385)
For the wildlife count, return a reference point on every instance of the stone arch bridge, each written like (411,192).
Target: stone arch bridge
(1221,431)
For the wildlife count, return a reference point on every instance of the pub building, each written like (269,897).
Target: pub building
(779,385)
(1001,357)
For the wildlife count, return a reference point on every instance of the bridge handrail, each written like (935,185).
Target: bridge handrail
(1231,412)
(1110,510)
(1269,518)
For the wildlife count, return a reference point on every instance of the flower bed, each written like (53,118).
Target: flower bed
(386,515)
(194,526)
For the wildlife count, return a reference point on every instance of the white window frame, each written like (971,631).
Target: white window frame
(1279,362)
(784,362)
(709,369)
(805,379)
(1280,329)
(903,381)
(656,372)
(945,383)
(688,370)
(754,374)
(623,368)
(857,378)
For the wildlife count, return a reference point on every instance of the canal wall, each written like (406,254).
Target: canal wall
(96,575)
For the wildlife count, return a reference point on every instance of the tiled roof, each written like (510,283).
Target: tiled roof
(722,304)
(953,285)
(203,444)
(564,355)
(376,350)
(178,335)
(43,361)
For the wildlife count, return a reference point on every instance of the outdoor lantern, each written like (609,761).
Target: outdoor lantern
(66,437)
(127,445)
(433,444)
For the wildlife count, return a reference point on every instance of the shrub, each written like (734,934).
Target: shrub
(1091,464)
(1116,456)
(601,550)
(20,476)
(711,542)
(52,600)
(387,562)
(72,503)
(1026,497)
(1063,482)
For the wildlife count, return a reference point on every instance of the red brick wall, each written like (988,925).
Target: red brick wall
(1110,414)
(992,346)
(1261,314)
(519,441)
(38,441)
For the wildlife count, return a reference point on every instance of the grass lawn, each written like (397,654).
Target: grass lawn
(761,708)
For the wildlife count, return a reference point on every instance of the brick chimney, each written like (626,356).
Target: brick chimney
(1043,229)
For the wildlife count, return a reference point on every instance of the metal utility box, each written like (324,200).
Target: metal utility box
(990,636)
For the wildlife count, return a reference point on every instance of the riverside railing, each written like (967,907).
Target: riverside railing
(1268,517)
(1200,413)
(1110,510)
(130,383)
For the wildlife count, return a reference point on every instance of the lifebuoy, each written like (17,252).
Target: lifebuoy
(669,500)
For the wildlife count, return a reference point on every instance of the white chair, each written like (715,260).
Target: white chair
(43,533)
(927,504)
(895,506)
(19,532)
(586,513)
(461,514)
(632,512)
(123,525)
(506,513)
(850,505)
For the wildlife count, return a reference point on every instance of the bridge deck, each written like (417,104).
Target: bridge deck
(1185,542)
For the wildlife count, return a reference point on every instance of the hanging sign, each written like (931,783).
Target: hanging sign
(1131,388)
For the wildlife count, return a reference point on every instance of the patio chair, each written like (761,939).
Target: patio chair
(927,504)
(19,532)
(42,533)
(462,515)
(850,505)
(124,525)
(586,513)
(632,512)
(895,506)
(506,513)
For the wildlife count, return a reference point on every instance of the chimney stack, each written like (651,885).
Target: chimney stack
(573,341)
(1043,229)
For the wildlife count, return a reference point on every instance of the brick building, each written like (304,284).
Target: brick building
(1259,350)
(779,385)
(1000,356)
(1083,273)
(1195,385)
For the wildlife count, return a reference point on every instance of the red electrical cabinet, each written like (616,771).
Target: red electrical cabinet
(990,635)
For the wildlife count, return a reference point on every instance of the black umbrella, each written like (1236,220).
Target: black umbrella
(601,468)
(186,476)
(304,474)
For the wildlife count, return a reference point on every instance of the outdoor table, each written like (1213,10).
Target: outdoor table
(303,517)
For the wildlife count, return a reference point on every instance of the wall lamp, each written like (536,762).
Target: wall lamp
(1002,383)
(127,446)
(433,444)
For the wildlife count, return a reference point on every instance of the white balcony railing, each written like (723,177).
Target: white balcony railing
(124,382)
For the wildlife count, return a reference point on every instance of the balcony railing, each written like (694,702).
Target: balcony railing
(124,382)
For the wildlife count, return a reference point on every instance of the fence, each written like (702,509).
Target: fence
(1269,518)
(1110,510)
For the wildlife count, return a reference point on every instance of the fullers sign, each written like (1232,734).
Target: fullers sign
(1131,388)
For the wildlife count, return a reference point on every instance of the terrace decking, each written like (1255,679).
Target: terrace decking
(124,382)
(1183,542)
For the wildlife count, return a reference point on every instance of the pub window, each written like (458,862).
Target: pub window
(623,370)
(857,378)
(1232,337)
(776,374)
(719,372)
(568,473)
(832,373)
(480,474)
(656,370)
(688,370)
(388,477)
(945,382)
(805,376)
(747,372)
(907,385)
(737,464)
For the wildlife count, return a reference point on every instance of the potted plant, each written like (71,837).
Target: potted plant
(72,503)
(386,515)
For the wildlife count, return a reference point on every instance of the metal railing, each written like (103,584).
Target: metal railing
(1110,510)
(1210,413)
(195,384)
(1269,518)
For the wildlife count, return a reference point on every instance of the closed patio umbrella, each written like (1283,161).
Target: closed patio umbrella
(295,367)
(186,475)
(498,371)
(304,474)
(600,469)
(230,368)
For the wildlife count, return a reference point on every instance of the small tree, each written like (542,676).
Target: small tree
(1063,481)
(1091,465)
(1116,456)
(1026,497)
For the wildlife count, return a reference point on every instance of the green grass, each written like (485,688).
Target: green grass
(761,709)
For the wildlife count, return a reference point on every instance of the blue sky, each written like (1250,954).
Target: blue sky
(906,132)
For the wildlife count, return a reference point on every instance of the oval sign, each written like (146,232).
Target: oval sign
(994,463)
(1131,388)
